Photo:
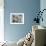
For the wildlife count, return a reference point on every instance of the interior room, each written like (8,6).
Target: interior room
(22,22)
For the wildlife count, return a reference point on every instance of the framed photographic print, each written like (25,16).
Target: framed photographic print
(16,18)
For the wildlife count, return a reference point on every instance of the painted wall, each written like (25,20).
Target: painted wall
(43,6)
(28,7)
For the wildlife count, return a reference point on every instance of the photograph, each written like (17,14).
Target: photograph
(16,18)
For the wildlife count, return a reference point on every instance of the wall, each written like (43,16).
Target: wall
(28,7)
(43,6)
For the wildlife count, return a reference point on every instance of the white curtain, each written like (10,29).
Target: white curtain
(1,20)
